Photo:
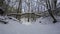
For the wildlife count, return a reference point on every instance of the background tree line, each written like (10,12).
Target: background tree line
(18,7)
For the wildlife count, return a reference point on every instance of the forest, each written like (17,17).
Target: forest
(30,8)
(29,16)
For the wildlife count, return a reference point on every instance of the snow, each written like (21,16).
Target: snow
(46,27)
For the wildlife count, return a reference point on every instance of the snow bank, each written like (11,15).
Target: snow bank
(14,27)
(24,21)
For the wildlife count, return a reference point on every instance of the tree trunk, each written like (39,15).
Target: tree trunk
(19,9)
(55,2)
(6,8)
(50,11)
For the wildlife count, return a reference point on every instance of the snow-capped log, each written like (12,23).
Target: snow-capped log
(3,21)
(14,19)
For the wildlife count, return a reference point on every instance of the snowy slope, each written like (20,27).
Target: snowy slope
(14,27)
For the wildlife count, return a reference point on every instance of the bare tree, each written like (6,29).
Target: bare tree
(55,2)
(6,8)
(28,5)
(19,9)
(50,11)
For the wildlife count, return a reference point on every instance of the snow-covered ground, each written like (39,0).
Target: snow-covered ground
(45,27)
